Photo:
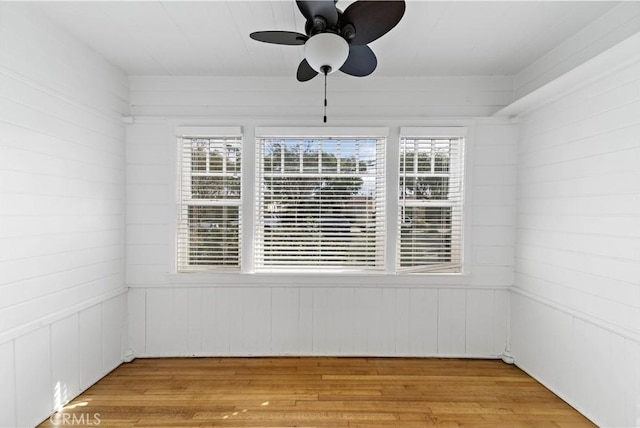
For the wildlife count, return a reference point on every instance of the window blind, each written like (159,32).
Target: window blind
(209,229)
(430,207)
(320,204)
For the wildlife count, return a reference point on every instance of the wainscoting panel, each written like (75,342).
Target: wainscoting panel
(318,320)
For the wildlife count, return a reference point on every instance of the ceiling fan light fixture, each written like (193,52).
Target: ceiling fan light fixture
(326,50)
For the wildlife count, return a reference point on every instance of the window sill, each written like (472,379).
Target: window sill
(316,280)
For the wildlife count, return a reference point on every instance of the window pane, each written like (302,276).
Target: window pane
(210,198)
(324,208)
(199,158)
(215,187)
(442,157)
(213,235)
(430,206)
(424,188)
(423,160)
(425,236)
(216,159)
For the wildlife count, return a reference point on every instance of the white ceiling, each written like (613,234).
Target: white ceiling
(211,38)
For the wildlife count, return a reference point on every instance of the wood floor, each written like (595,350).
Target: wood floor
(317,392)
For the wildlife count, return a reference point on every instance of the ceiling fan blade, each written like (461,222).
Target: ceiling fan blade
(324,8)
(372,19)
(280,37)
(360,62)
(305,72)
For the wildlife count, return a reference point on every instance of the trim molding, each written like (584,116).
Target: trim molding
(302,281)
(581,315)
(14,333)
(619,56)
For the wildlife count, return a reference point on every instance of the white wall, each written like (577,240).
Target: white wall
(575,310)
(349,98)
(619,23)
(317,315)
(62,301)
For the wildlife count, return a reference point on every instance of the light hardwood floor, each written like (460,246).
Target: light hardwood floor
(317,392)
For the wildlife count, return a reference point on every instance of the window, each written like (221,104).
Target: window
(320,204)
(430,203)
(209,229)
(319,200)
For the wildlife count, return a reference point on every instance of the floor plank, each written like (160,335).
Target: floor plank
(318,392)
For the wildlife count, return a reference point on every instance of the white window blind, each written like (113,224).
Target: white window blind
(320,204)
(209,229)
(430,207)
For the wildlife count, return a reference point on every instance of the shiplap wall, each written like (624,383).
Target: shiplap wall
(348,97)
(62,301)
(575,310)
(257,314)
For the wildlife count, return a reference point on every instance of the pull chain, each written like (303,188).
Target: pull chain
(325,69)
(325,96)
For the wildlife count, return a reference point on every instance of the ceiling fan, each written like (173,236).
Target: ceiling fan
(337,40)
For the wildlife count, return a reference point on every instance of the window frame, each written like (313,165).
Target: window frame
(358,279)
(183,181)
(459,205)
(378,255)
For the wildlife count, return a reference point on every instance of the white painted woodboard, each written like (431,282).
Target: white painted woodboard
(65,360)
(114,322)
(285,319)
(575,312)
(319,321)
(452,328)
(423,322)
(481,313)
(8,417)
(91,342)
(34,392)
(136,321)
(166,322)
(62,218)
(501,321)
